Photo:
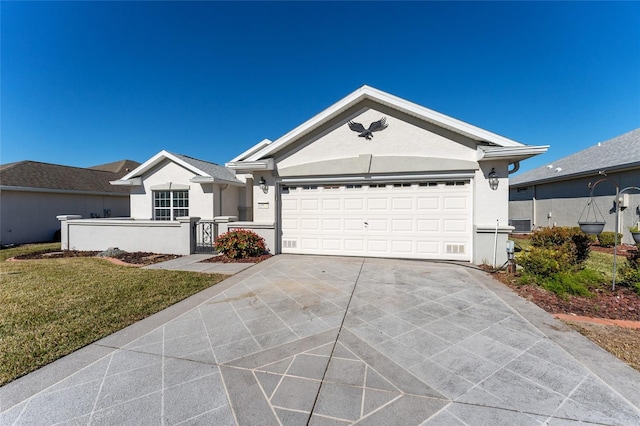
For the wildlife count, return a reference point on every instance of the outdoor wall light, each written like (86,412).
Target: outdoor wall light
(493,179)
(263,185)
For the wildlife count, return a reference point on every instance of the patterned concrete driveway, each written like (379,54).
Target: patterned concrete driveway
(300,340)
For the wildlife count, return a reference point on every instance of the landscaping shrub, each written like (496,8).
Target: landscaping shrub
(573,283)
(606,239)
(555,261)
(575,243)
(240,244)
(630,271)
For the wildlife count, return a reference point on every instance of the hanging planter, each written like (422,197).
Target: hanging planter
(591,228)
(635,233)
(591,220)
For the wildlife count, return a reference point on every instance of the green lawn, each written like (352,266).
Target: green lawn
(50,308)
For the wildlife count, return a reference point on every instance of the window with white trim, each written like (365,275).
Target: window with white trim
(168,205)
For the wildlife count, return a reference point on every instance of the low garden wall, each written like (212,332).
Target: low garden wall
(167,237)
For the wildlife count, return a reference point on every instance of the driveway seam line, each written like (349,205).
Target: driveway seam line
(335,342)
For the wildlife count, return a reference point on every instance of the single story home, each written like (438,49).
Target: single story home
(32,194)
(371,175)
(557,193)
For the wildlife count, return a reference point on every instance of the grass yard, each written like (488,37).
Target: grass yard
(50,308)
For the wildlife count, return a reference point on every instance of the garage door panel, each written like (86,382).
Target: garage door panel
(309,204)
(353,224)
(308,224)
(331,204)
(430,221)
(452,225)
(331,224)
(429,225)
(455,203)
(354,204)
(377,203)
(401,225)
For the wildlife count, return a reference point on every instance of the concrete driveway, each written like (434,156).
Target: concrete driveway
(302,340)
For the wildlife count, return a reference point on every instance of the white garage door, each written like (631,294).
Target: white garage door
(430,220)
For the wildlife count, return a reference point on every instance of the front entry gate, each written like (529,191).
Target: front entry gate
(206,232)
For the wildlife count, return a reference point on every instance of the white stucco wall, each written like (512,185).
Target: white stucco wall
(400,138)
(27,217)
(201,197)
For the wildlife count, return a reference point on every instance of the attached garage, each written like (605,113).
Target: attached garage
(376,175)
(423,220)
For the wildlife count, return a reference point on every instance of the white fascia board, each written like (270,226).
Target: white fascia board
(266,164)
(209,179)
(257,147)
(367,92)
(511,153)
(157,159)
(136,181)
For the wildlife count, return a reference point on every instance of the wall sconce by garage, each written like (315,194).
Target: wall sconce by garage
(493,179)
(263,185)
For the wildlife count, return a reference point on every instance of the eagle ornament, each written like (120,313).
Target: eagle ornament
(376,126)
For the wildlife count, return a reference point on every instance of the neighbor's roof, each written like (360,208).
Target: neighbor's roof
(120,168)
(204,170)
(33,175)
(621,152)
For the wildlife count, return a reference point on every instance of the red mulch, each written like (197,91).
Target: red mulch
(134,258)
(225,259)
(622,303)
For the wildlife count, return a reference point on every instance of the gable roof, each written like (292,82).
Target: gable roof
(34,176)
(205,171)
(621,152)
(365,92)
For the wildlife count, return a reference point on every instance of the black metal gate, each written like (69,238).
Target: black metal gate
(206,232)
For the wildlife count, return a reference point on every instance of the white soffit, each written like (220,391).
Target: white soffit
(260,145)
(367,92)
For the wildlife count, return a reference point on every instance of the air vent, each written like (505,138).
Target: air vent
(289,244)
(454,248)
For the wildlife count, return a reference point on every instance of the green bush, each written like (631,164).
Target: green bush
(572,283)
(575,243)
(240,244)
(543,262)
(607,239)
(630,271)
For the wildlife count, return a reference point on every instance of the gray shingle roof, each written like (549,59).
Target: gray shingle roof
(620,152)
(216,171)
(120,168)
(33,174)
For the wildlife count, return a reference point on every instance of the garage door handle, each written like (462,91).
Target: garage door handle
(366,224)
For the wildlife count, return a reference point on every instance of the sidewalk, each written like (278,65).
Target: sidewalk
(191,263)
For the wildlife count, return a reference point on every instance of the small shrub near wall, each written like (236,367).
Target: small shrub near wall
(572,241)
(607,239)
(240,244)
(630,271)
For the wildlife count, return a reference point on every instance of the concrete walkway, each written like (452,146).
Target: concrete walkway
(192,263)
(299,340)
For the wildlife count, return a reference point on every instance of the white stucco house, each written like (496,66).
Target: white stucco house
(372,175)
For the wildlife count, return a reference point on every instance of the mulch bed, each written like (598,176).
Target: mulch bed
(225,259)
(622,303)
(133,258)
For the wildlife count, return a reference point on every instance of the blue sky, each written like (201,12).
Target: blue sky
(85,83)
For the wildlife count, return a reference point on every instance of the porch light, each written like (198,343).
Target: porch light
(263,185)
(493,179)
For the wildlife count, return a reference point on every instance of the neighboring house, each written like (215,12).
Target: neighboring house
(32,194)
(406,182)
(556,194)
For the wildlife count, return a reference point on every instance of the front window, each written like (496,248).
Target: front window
(168,205)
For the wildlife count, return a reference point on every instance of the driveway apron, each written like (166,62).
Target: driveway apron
(299,340)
